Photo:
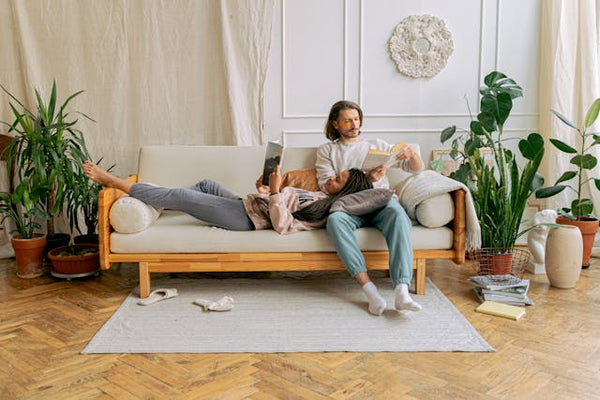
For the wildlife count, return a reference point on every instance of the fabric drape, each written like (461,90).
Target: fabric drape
(154,72)
(569,83)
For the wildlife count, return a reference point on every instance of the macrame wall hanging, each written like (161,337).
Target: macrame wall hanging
(420,46)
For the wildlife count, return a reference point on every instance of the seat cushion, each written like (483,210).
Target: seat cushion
(189,235)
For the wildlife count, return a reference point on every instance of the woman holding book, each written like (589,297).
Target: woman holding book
(285,210)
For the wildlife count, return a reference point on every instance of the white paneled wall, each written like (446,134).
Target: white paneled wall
(324,51)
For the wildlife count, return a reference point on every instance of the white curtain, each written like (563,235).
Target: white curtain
(569,83)
(153,71)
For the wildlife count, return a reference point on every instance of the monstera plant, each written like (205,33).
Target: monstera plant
(502,187)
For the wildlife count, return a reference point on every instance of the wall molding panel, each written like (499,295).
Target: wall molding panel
(325,51)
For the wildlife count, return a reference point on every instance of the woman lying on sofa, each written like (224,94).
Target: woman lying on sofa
(286,210)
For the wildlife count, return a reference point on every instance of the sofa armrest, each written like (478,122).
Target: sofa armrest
(106,198)
(459,225)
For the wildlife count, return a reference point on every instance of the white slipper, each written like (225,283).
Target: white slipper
(158,295)
(225,303)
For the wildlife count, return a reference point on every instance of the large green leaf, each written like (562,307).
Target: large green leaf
(564,119)
(531,146)
(489,105)
(562,146)
(491,78)
(488,121)
(447,133)
(544,193)
(504,107)
(586,161)
(566,176)
(592,113)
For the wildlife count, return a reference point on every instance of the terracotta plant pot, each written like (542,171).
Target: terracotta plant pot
(588,228)
(30,255)
(75,264)
(56,240)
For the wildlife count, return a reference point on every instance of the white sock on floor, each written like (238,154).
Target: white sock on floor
(403,300)
(376,303)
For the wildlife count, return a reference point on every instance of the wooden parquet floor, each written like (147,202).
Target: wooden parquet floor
(551,353)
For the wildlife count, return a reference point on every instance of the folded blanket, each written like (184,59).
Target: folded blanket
(426,184)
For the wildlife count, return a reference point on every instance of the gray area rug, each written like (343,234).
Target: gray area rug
(283,315)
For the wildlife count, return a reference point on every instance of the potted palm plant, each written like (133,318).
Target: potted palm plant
(24,206)
(46,142)
(580,211)
(500,187)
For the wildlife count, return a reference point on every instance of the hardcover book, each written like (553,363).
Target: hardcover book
(501,310)
(375,158)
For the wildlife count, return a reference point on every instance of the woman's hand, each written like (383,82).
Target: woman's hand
(275,180)
(408,153)
(377,173)
(262,189)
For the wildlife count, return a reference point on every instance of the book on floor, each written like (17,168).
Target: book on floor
(495,282)
(375,158)
(273,158)
(501,310)
(507,289)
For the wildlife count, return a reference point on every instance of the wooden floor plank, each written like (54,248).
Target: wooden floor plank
(553,352)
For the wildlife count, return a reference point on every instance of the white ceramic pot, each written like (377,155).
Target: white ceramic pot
(564,250)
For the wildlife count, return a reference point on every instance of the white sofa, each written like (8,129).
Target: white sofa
(176,242)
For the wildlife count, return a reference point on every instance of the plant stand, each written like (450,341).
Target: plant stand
(74,276)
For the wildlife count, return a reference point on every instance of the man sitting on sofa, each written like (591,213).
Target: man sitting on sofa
(347,149)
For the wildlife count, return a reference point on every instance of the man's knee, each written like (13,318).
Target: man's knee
(337,221)
(393,211)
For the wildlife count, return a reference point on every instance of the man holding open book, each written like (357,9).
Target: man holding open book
(345,150)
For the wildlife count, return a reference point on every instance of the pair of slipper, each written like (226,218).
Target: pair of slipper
(223,304)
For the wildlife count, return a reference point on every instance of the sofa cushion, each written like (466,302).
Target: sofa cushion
(305,178)
(362,202)
(130,215)
(436,211)
(188,235)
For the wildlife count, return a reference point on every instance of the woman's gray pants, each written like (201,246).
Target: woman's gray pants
(207,201)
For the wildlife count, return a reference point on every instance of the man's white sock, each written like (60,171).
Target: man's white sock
(376,303)
(403,300)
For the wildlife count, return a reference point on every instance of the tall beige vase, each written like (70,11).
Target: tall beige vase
(564,249)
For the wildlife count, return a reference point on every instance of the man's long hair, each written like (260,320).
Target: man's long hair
(319,209)
(330,132)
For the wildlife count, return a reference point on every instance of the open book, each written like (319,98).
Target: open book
(273,157)
(376,158)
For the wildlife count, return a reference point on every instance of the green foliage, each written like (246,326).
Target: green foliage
(82,198)
(24,207)
(500,189)
(45,152)
(580,207)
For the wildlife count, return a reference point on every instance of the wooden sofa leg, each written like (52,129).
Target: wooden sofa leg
(420,275)
(144,280)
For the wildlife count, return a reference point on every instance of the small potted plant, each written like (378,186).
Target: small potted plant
(24,206)
(580,211)
(501,187)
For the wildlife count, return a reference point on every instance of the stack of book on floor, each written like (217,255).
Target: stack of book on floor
(507,289)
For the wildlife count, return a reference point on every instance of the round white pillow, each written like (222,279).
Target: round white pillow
(130,215)
(436,211)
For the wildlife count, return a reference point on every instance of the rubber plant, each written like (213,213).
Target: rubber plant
(580,212)
(582,160)
(501,188)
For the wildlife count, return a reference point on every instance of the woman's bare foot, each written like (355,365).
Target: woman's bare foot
(104,178)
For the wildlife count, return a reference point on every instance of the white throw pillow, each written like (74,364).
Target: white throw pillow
(130,215)
(436,211)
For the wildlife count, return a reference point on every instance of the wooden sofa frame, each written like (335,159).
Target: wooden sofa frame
(246,262)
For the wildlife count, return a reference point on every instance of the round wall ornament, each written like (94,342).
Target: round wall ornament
(421,45)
